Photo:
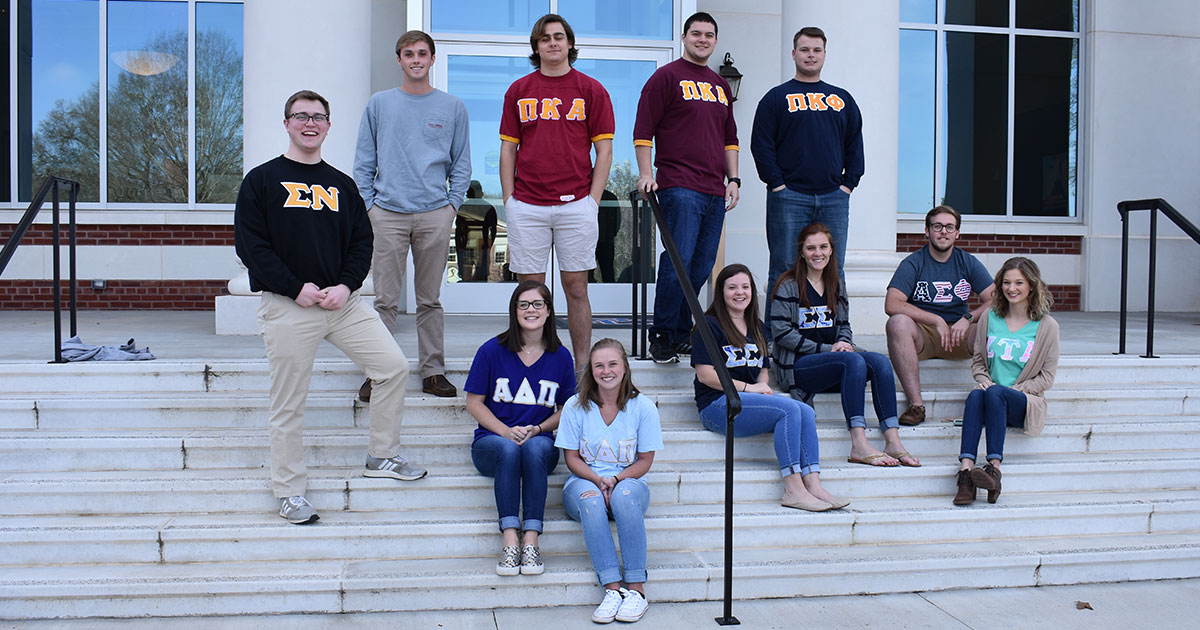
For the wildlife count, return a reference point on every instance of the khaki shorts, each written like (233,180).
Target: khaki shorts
(572,228)
(933,346)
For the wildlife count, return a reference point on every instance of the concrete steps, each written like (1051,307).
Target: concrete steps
(141,489)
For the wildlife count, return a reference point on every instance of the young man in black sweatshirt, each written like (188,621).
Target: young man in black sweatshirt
(302,231)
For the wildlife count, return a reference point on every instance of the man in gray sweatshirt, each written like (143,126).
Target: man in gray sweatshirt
(413,140)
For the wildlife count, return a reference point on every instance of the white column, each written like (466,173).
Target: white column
(296,45)
(862,57)
(293,45)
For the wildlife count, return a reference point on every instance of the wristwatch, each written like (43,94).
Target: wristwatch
(969,317)
(736,180)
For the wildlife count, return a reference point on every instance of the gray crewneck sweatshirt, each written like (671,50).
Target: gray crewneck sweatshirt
(409,146)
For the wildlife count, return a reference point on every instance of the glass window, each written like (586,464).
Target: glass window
(1045,126)
(64,97)
(147,102)
(924,11)
(977,12)
(514,17)
(626,19)
(218,102)
(976,124)
(125,135)
(918,117)
(1000,120)
(1051,15)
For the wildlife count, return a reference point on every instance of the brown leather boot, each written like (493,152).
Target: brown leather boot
(987,478)
(966,489)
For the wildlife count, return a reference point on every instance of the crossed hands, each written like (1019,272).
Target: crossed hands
(329,298)
(952,335)
(522,433)
(607,484)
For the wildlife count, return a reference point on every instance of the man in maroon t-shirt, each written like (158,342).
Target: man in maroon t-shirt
(551,120)
(686,109)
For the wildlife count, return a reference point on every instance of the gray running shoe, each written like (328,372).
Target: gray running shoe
(297,510)
(394,467)
(531,561)
(510,561)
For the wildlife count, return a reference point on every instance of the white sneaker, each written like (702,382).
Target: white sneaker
(632,607)
(607,610)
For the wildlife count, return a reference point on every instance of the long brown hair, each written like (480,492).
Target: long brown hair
(511,338)
(589,389)
(1040,299)
(799,270)
(721,312)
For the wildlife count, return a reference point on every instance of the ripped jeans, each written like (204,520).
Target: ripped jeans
(630,500)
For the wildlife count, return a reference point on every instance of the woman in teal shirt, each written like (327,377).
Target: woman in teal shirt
(1013,364)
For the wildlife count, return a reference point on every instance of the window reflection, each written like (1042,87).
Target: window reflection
(976,126)
(481,231)
(218,102)
(512,17)
(1045,126)
(917,111)
(625,19)
(977,12)
(147,102)
(64,131)
(1054,15)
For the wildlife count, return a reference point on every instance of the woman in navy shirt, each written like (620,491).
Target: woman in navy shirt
(733,319)
(516,388)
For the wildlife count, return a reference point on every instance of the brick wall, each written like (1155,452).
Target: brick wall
(1016,244)
(121,295)
(148,235)
(1067,297)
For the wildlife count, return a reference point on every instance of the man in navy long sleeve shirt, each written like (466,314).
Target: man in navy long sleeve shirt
(808,148)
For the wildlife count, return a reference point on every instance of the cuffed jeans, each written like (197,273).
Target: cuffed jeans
(521,472)
(630,499)
(789,212)
(849,372)
(694,220)
(793,422)
(995,408)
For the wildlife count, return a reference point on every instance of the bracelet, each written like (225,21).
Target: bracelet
(539,428)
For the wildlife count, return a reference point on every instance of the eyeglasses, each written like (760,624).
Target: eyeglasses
(940,227)
(525,305)
(302,117)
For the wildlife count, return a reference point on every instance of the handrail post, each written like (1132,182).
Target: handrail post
(1124,277)
(1150,288)
(57,290)
(72,197)
(727,618)
(635,255)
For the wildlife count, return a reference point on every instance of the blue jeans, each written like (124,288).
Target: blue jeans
(520,471)
(793,422)
(996,408)
(630,500)
(789,212)
(694,220)
(849,372)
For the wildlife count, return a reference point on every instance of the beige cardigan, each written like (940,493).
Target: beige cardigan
(1035,378)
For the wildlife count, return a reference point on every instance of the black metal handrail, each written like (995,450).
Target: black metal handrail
(1154,206)
(643,249)
(51,187)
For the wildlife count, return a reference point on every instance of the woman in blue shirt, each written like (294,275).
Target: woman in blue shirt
(733,319)
(517,385)
(609,435)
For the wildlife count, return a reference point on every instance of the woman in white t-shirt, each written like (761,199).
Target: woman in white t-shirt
(609,435)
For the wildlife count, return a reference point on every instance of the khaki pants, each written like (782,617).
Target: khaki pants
(428,235)
(291,334)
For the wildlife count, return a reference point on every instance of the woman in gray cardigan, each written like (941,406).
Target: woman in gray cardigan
(813,349)
(1014,363)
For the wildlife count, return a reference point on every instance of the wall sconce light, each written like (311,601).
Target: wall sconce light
(731,76)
